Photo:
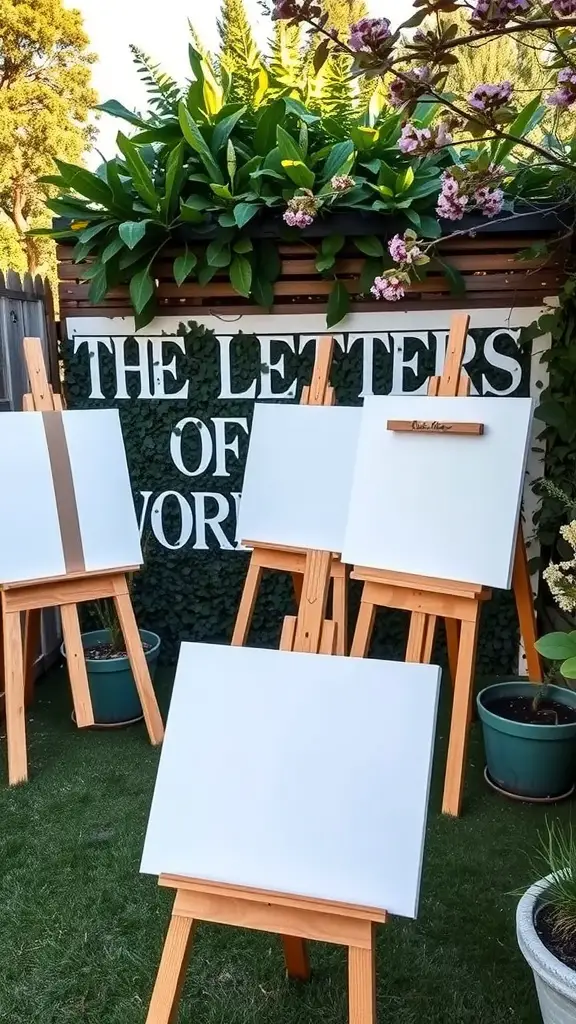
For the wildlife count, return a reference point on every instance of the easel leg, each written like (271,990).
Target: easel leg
(247,602)
(76,666)
(14,698)
(459,727)
(296,957)
(139,665)
(362,983)
(417,637)
(363,631)
(340,611)
(525,606)
(172,972)
(297,582)
(429,637)
(32,627)
(452,627)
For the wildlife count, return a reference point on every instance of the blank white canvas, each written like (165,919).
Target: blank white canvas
(296,773)
(30,538)
(439,505)
(298,476)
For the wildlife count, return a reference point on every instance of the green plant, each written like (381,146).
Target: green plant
(557,851)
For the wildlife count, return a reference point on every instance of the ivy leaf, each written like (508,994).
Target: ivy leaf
(139,171)
(132,231)
(141,289)
(338,304)
(244,212)
(184,265)
(218,254)
(241,275)
(369,245)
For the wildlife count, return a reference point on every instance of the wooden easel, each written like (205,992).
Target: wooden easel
(295,918)
(293,560)
(64,592)
(458,603)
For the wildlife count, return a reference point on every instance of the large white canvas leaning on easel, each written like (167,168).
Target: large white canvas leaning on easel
(434,504)
(298,475)
(31,534)
(307,775)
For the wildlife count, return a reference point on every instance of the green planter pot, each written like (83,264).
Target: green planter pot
(535,762)
(112,688)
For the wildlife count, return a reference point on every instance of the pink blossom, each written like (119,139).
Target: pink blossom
(499,11)
(401,252)
(423,140)
(298,219)
(490,97)
(286,10)
(402,91)
(489,201)
(451,205)
(564,8)
(565,94)
(369,35)
(389,288)
(342,182)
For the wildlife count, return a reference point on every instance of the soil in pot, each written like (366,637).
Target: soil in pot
(523,709)
(104,652)
(562,947)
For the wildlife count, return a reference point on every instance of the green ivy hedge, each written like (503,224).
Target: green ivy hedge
(191,594)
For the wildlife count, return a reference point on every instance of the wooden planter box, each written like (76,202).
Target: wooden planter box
(488,262)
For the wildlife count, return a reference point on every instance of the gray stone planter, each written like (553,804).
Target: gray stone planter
(555,983)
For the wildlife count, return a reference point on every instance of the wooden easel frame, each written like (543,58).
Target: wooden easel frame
(64,592)
(459,604)
(295,918)
(293,560)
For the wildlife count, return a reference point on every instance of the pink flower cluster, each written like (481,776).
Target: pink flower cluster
(489,97)
(369,35)
(565,94)
(400,91)
(341,182)
(403,250)
(453,203)
(298,219)
(286,10)
(423,140)
(389,288)
(301,210)
(564,8)
(499,11)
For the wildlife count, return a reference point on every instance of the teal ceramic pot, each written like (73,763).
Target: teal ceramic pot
(531,761)
(112,688)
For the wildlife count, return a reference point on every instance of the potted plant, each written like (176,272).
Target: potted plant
(546,929)
(530,732)
(113,690)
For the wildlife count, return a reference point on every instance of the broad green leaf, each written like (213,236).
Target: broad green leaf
(222,191)
(404,180)
(325,262)
(139,171)
(132,231)
(93,230)
(141,289)
(226,219)
(196,140)
(413,217)
(190,215)
(184,265)
(121,198)
(430,227)
(556,646)
(370,270)
(268,121)
(218,254)
(146,315)
(269,262)
(568,668)
(338,304)
(244,212)
(112,249)
(173,180)
(299,173)
(369,245)
(116,109)
(243,245)
(241,275)
(224,129)
(332,244)
(231,161)
(99,285)
(528,119)
(289,150)
(86,183)
(263,292)
(364,137)
(454,278)
(206,273)
(295,107)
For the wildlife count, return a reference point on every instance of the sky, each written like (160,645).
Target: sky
(160,28)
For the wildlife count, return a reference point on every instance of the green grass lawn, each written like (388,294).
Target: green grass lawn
(81,931)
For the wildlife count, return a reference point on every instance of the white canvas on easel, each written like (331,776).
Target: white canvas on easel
(31,544)
(354,736)
(439,505)
(298,475)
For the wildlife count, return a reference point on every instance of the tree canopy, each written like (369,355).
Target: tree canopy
(45,99)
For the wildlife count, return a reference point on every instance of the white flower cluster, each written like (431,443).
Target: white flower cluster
(561,578)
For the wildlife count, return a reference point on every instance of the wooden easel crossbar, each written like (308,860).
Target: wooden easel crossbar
(64,592)
(295,918)
(459,604)
(293,560)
